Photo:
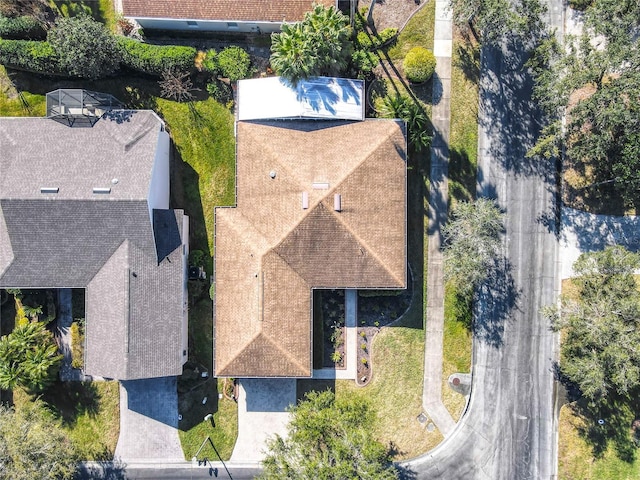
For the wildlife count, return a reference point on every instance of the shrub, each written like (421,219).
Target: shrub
(220,91)
(210,62)
(85,48)
(372,42)
(39,57)
(21,28)
(234,63)
(419,64)
(155,59)
(363,62)
(77,345)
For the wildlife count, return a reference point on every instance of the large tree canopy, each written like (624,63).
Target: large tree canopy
(603,68)
(85,48)
(494,19)
(472,243)
(328,439)
(318,45)
(602,325)
(33,445)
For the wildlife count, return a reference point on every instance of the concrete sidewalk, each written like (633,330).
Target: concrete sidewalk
(438,200)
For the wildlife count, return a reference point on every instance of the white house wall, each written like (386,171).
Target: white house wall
(185,293)
(207,25)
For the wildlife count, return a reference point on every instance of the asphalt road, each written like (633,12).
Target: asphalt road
(509,430)
(111,471)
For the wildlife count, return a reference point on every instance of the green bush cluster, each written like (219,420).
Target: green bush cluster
(234,63)
(29,55)
(580,5)
(419,64)
(374,42)
(21,28)
(155,59)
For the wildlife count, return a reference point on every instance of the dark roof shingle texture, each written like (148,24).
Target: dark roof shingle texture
(225,10)
(107,244)
(270,252)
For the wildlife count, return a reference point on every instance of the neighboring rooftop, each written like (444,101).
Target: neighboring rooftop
(243,10)
(321,97)
(117,153)
(88,208)
(320,204)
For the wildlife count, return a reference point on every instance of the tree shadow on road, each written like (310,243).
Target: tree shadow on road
(496,300)
(508,113)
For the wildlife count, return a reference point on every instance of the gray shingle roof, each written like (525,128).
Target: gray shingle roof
(104,243)
(39,152)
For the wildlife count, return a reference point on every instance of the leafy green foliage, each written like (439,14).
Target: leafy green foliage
(85,48)
(28,358)
(33,445)
(600,135)
(599,354)
(29,55)
(494,19)
(155,59)
(471,244)
(418,125)
(210,62)
(234,63)
(319,45)
(368,41)
(328,438)
(419,64)
(602,324)
(21,28)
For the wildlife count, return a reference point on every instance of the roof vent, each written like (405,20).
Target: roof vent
(272,174)
(101,190)
(114,181)
(337,202)
(305,200)
(49,189)
(320,186)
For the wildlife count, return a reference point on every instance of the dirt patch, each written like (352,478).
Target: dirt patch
(391,13)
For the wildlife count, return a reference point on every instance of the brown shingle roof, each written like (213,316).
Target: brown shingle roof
(270,252)
(226,10)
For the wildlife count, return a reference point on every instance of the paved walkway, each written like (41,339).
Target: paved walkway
(351,343)
(149,421)
(262,405)
(438,197)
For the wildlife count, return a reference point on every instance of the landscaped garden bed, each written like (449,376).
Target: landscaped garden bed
(332,314)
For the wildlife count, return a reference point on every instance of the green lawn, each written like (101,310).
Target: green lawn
(90,413)
(395,392)
(418,32)
(224,431)
(463,139)
(575,458)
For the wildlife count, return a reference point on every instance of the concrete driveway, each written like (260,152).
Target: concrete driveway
(262,405)
(149,421)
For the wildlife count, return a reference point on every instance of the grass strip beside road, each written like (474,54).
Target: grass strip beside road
(576,460)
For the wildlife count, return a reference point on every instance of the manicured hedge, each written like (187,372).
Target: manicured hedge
(21,28)
(29,55)
(155,59)
(419,64)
